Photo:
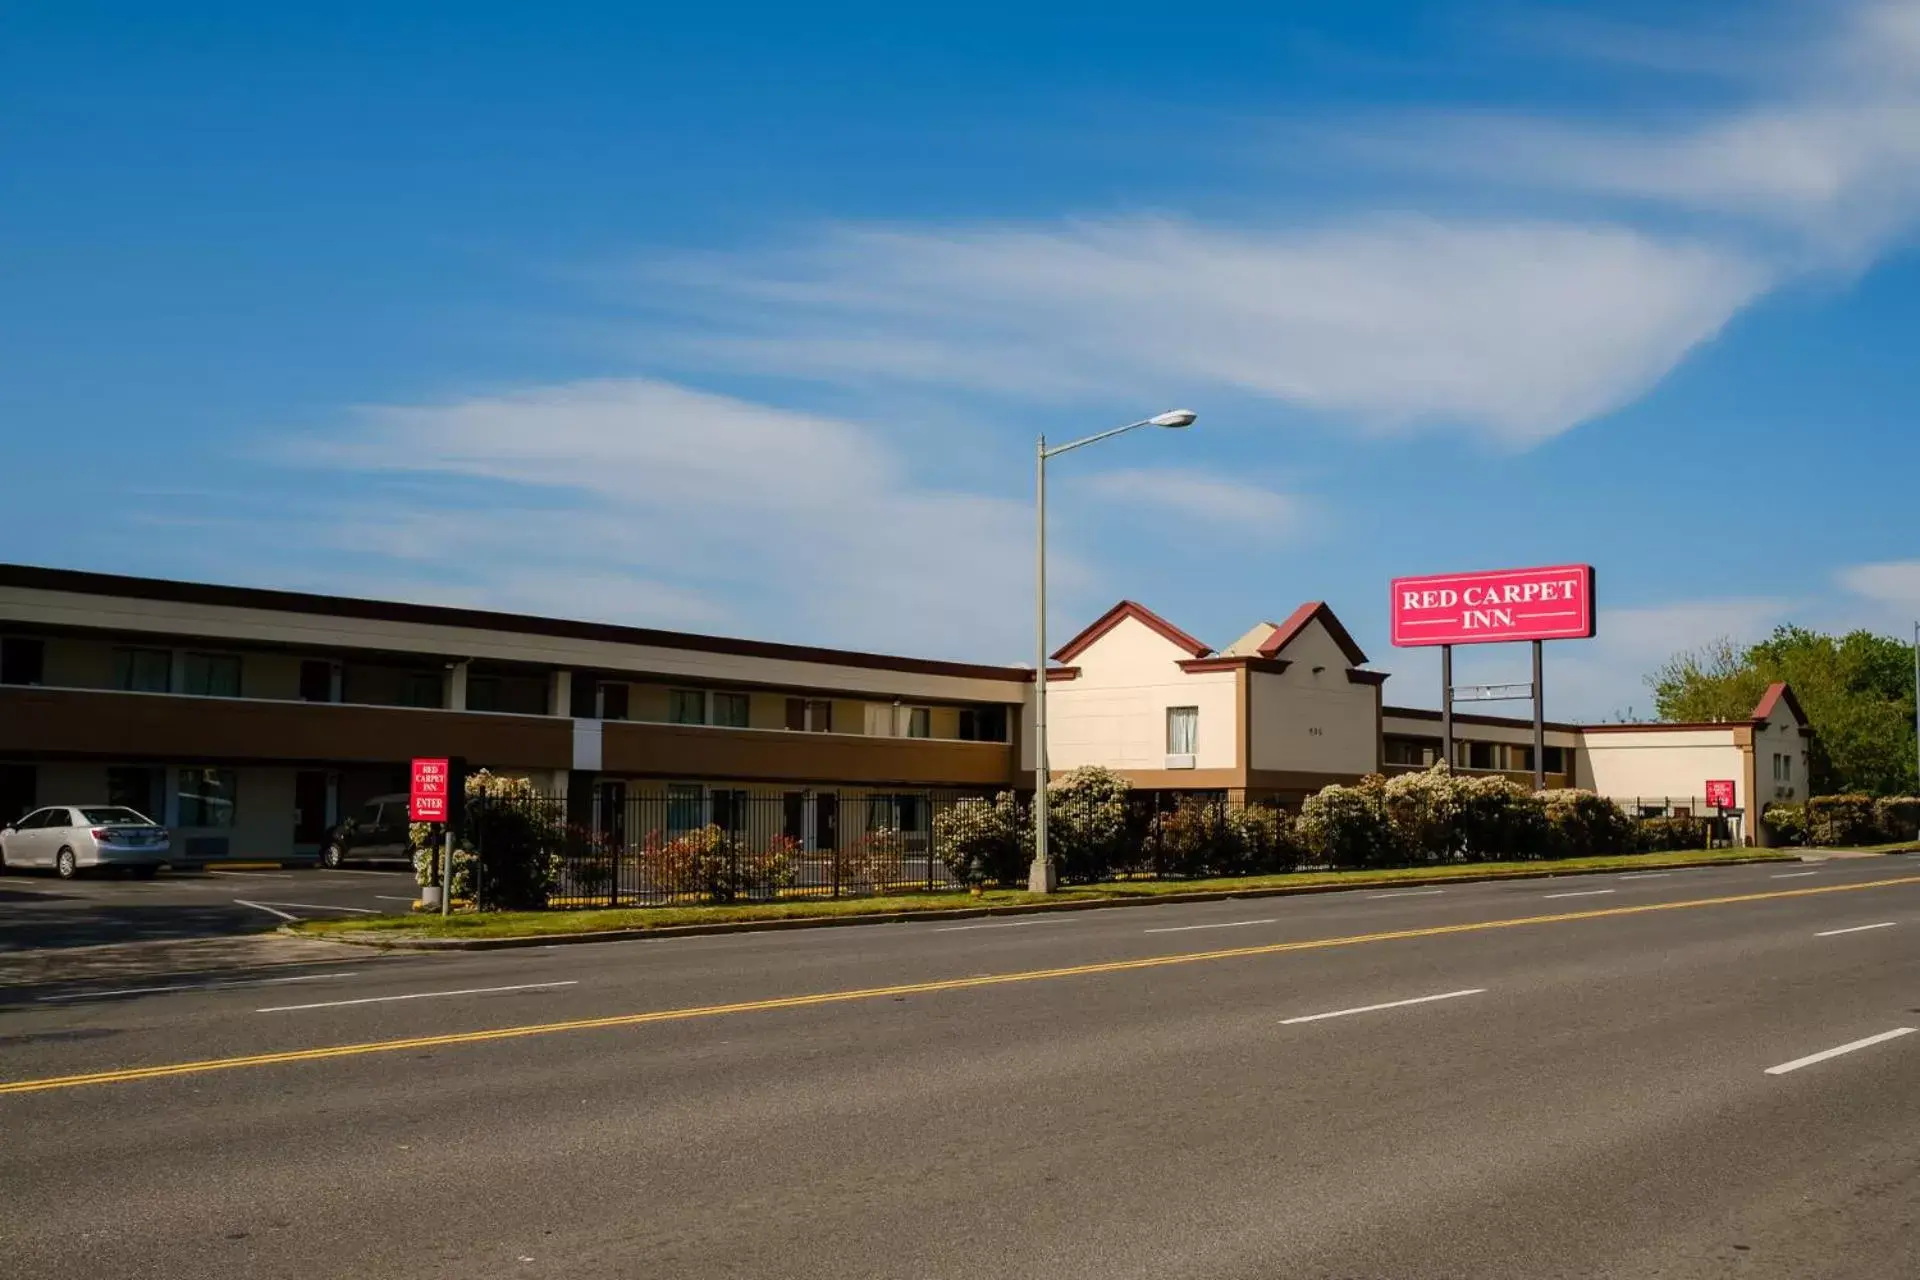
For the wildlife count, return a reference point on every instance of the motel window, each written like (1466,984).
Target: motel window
(610,810)
(906,814)
(207,797)
(483,693)
(686,706)
(143,670)
(421,689)
(793,816)
(212,675)
(686,805)
(983,724)
(729,811)
(611,699)
(1480,755)
(1411,751)
(1555,759)
(810,715)
(23,660)
(316,680)
(919,722)
(142,790)
(730,709)
(1183,730)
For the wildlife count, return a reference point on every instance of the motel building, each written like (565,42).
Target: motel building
(251,721)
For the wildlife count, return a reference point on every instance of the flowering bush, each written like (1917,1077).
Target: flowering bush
(1897,817)
(1786,823)
(507,852)
(1348,826)
(1196,839)
(1428,814)
(1838,820)
(871,863)
(984,841)
(1267,839)
(1087,835)
(1672,834)
(1582,824)
(714,865)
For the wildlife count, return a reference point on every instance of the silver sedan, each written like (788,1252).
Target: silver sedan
(73,839)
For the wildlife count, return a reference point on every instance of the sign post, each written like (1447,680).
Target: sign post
(1550,603)
(432,797)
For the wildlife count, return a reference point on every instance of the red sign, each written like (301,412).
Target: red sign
(1720,794)
(1485,608)
(427,799)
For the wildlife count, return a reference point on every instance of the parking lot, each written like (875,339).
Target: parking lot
(37,910)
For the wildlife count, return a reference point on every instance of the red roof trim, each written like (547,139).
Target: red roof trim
(1062,673)
(1284,634)
(1119,614)
(1777,692)
(1231,662)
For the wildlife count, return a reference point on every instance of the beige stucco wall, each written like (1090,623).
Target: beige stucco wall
(1115,713)
(1315,721)
(1779,736)
(1657,763)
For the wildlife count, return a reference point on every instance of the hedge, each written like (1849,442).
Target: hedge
(1850,819)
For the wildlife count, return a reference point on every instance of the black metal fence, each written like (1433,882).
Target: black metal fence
(693,845)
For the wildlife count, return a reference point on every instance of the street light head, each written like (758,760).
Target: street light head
(1174,418)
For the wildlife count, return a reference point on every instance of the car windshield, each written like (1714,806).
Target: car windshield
(114,817)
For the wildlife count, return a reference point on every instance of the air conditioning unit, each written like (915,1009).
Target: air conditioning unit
(1180,762)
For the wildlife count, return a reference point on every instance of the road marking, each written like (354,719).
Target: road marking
(127,1075)
(418,995)
(1792,875)
(188,986)
(1407,893)
(284,915)
(321,906)
(1375,1008)
(1837,1050)
(1188,928)
(249,875)
(1859,928)
(1645,875)
(1582,893)
(1014,924)
(388,897)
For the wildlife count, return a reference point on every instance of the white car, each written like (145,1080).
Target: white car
(73,839)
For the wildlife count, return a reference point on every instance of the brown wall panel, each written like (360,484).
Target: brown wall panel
(68,722)
(777,755)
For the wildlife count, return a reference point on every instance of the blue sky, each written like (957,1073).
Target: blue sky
(737,319)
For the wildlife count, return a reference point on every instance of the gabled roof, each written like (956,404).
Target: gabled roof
(1119,614)
(1297,621)
(1776,693)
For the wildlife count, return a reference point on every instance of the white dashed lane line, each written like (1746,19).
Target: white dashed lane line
(1580,893)
(1375,1008)
(1858,928)
(1852,1046)
(417,995)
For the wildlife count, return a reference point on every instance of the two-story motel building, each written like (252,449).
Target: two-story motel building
(249,721)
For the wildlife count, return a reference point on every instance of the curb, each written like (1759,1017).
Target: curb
(969,913)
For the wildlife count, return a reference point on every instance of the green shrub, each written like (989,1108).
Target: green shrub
(1841,820)
(1346,826)
(1268,839)
(1897,817)
(1582,824)
(1427,811)
(1198,838)
(1087,834)
(1500,820)
(985,841)
(1673,834)
(1786,824)
(508,852)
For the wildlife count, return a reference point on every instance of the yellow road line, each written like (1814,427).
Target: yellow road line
(129,1074)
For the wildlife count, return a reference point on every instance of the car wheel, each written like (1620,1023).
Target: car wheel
(65,865)
(330,857)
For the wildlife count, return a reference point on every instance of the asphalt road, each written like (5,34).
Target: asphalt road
(1624,1085)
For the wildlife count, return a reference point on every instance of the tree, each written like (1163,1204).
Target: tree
(1857,690)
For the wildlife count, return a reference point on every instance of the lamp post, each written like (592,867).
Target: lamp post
(1040,877)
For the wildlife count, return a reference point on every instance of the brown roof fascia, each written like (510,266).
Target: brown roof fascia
(33,577)
(1119,614)
(1249,661)
(1468,717)
(1297,621)
(1662,726)
(1357,676)
(1062,673)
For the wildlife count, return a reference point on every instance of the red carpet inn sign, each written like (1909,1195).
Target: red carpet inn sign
(1483,608)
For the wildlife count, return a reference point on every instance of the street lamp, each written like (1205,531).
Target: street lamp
(1040,877)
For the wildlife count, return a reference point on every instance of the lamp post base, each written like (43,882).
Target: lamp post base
(1042,876)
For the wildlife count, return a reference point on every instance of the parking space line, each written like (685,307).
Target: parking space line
(1580,893)
(417,995)
(1859,928)
(388,897)
(1011,924)
(284,915)
(1406,893)
(187,986)
(1189,928)
(1837,1050)
(1792,875)
(1645,875)
(319,906)
(1375,1008)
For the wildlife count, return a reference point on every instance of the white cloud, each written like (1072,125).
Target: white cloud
(1201,496)
(1893,584)
(1519,329)
(644,501)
